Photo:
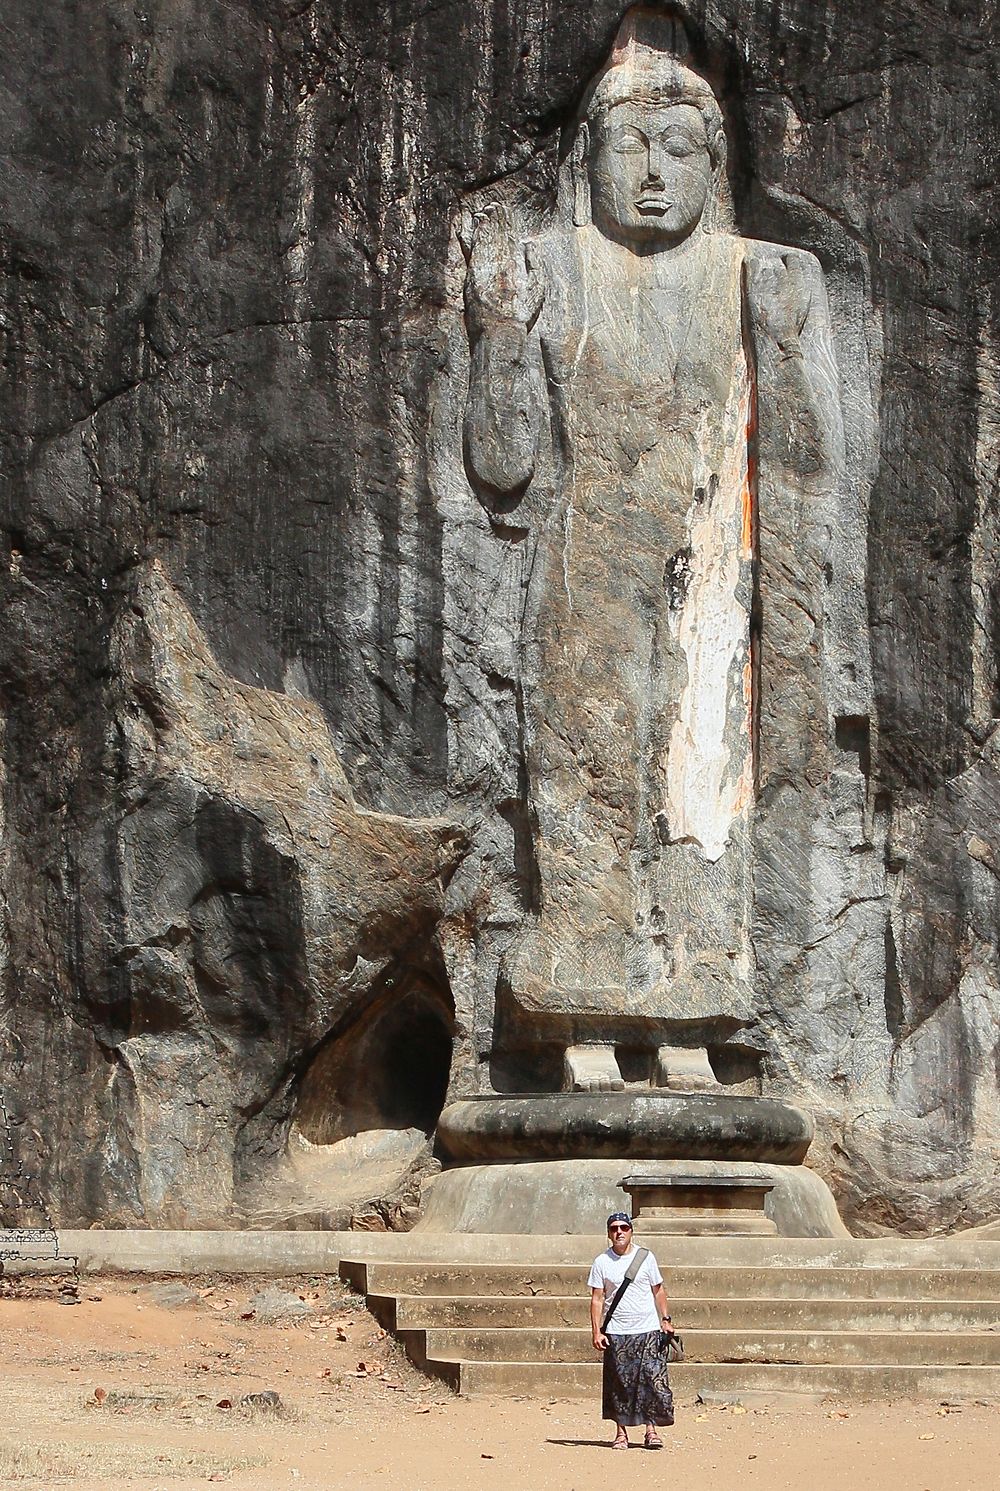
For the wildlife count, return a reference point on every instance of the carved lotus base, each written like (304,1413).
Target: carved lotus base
(638,1124)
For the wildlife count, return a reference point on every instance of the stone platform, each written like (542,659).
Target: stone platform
(506,1314)
(575,1196)
(96,1250)
(638,1124)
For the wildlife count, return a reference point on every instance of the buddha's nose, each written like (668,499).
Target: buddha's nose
(654,164)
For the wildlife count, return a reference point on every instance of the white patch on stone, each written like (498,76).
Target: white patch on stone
(708,785)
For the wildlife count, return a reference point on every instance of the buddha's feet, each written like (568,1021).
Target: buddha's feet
(591,1068)
(684,1069)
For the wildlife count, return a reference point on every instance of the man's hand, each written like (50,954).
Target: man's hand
(600,1341)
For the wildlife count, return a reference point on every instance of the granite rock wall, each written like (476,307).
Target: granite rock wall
(229,825)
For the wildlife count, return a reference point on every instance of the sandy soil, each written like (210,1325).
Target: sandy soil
(123,1390)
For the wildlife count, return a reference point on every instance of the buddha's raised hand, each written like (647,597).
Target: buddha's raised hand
(501,283)
(779,285)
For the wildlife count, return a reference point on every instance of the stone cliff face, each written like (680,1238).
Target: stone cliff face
(231,828)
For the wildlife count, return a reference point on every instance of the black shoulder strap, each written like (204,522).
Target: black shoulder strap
(640,1257)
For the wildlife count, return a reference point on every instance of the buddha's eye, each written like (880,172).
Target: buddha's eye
(680,147)
(627,143)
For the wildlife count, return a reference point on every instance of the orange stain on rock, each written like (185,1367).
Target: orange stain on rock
(749,489)
(746,534)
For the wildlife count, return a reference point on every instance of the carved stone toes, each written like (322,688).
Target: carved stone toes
(684,1069)
(591,1068)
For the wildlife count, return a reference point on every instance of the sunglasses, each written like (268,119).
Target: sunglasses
(620,1227)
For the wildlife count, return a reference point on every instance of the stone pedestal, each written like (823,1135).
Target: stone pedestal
(574,1197)
(720,1205)
(637,1124)
(556,1162)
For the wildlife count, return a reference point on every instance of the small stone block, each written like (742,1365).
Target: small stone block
(692,1205)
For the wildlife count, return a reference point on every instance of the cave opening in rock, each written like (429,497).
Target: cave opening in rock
(389,1070)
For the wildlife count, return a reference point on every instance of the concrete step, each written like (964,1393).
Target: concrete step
(683,1281)
(252,1253)
(521,1329)
(415,1312)
(829,1348)
(873,1380)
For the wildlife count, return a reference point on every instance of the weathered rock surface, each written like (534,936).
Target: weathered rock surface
(233,600)
(261,916)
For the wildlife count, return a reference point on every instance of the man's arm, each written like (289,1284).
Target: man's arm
(596,1311)
(662,1307)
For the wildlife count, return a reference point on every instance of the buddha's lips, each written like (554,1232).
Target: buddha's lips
(653,201)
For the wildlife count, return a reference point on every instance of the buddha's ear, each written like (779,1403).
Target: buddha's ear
(581,180)
(719,215)
(717,150)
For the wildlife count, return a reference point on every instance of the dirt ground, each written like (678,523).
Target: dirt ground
(140,1386)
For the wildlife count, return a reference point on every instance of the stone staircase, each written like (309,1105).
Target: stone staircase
(507,1329)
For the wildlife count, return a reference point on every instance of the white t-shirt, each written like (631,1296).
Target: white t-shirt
(636,1312)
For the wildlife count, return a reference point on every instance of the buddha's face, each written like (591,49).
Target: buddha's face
(650,173)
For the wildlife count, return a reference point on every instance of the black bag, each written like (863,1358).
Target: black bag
(672,1346)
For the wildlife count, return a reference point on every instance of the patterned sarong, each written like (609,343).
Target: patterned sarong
(636,1389)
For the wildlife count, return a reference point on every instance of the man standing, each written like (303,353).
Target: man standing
(629,1318)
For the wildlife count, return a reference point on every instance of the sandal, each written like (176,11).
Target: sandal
(652,1440)
(620,1441)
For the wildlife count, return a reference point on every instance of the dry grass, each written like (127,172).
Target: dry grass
(126,1400)
(59,1463)
(96,1358)
(166,1404)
